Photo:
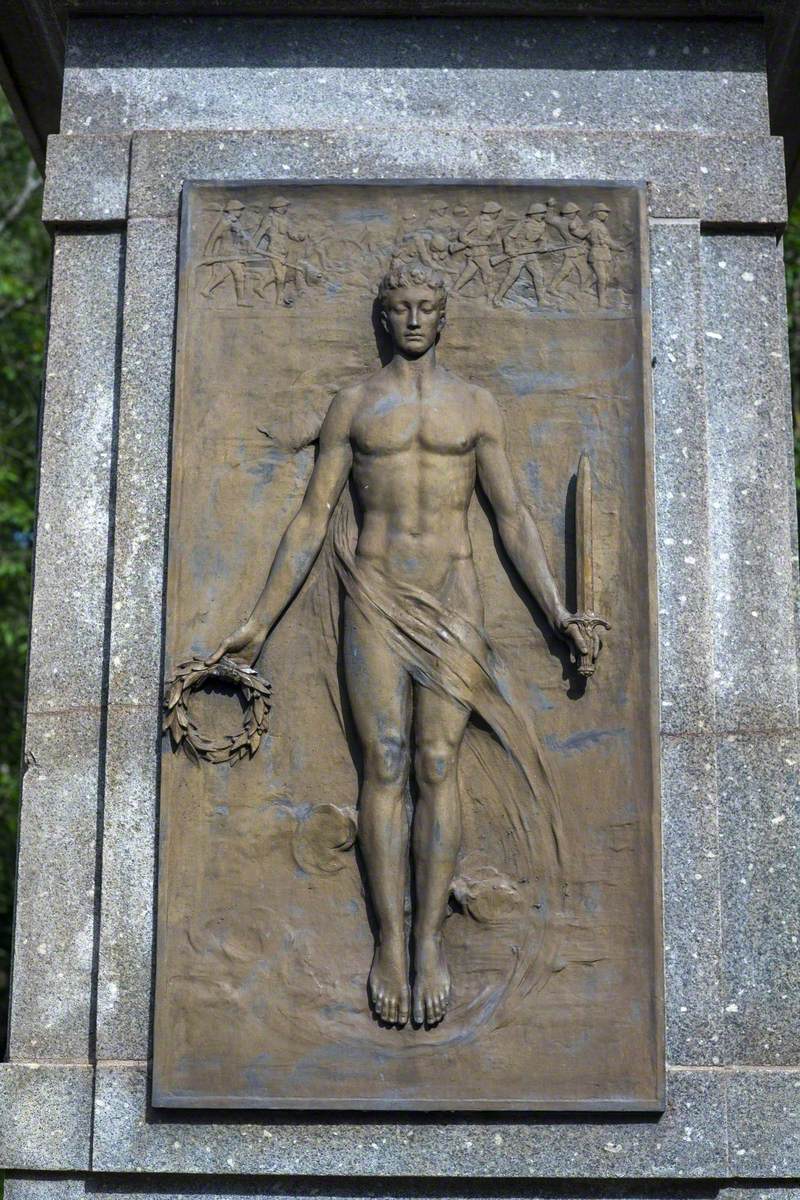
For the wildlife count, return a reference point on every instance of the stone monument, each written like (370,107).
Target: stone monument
(412,714)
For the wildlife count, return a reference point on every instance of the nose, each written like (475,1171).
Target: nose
(413,318)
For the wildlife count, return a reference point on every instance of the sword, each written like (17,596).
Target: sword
(585,618)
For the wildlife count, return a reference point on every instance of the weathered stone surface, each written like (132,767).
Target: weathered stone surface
(764,1123)
(50,1014)
(754,565)
(55,902)
(173,1187)
(68,616)
(759,789)
(681,456)
(46,1116)
(129,846)
(689,1139)
(691,901)
(86,179)
(669,162)
(470,74)
(742,178)
(135,658)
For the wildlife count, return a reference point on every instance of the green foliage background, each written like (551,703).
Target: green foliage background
(24,267)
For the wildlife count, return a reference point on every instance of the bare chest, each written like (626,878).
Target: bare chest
(394,424)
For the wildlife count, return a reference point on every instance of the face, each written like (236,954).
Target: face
(412,318)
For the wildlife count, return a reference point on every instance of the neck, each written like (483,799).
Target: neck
(414,368)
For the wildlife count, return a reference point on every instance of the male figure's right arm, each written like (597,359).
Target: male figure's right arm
(301,543)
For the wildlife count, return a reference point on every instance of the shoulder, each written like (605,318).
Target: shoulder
(342,409)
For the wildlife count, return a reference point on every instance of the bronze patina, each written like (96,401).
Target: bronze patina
(439,791)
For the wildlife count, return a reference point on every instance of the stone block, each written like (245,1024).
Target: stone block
(681,460)
(742,178)
(751,487)
(72,534)
(759,786)
(687,1140)
(472,73)
(142,463)
(86,180)
(125,958)
(691,901)
(135,657)
(45,1116)
(764,1124)
(50,1015)
(161,162)
(55,916)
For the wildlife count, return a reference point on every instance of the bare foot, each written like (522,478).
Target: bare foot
(431,981)
(388,982)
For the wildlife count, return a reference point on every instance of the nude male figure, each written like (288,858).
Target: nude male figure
(415,439)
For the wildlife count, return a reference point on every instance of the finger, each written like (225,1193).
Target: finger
(218,653)
(580,641)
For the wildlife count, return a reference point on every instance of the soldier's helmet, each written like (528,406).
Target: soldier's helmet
(234,206)
(600,208)
(408,214)
(570,209)
(439,207)
(279,202)
(552,202)
(438,243)
(535,210)
(492,208)
(460,210)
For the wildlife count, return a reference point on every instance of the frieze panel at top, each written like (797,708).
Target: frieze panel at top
(546,254)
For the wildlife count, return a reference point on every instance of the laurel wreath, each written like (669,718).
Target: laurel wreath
(189,677)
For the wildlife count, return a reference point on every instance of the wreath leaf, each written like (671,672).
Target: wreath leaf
(232,747)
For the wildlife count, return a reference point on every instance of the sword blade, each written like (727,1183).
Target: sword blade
(583,536)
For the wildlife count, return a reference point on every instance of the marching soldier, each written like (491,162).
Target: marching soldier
(227,249)
(477,241)
(574,232)
(276,229)
(601,245)
(522,245)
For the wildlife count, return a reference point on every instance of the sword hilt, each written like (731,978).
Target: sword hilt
(587,622)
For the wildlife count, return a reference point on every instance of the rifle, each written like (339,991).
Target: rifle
(501,258)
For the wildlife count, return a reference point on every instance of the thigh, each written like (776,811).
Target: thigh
(378,686)
(439,721)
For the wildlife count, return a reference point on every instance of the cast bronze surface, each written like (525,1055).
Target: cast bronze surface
(438,791)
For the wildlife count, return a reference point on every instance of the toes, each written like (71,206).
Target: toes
(402,1015)
(419,1011)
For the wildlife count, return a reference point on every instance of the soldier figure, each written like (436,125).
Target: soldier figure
(226,252)
(439,219)
(574,232)
(277,231)
(522,245)
(601,245)
(477,241)
(439,255)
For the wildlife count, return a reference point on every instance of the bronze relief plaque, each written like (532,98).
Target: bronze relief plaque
(409,785)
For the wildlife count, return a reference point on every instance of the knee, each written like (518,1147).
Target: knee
(435,762)
(386,761)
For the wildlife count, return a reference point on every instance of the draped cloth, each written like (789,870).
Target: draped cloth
(443,650)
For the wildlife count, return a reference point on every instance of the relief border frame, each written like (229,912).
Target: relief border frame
(642,311)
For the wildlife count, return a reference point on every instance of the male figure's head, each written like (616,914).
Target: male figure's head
(412,298)
(600,212)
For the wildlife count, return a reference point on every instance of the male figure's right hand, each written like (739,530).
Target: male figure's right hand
(246,643)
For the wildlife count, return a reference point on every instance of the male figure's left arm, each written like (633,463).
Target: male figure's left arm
(516,525)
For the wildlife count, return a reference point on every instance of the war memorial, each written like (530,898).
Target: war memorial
(411,767)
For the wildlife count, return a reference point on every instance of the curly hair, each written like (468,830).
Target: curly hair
(414,274)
